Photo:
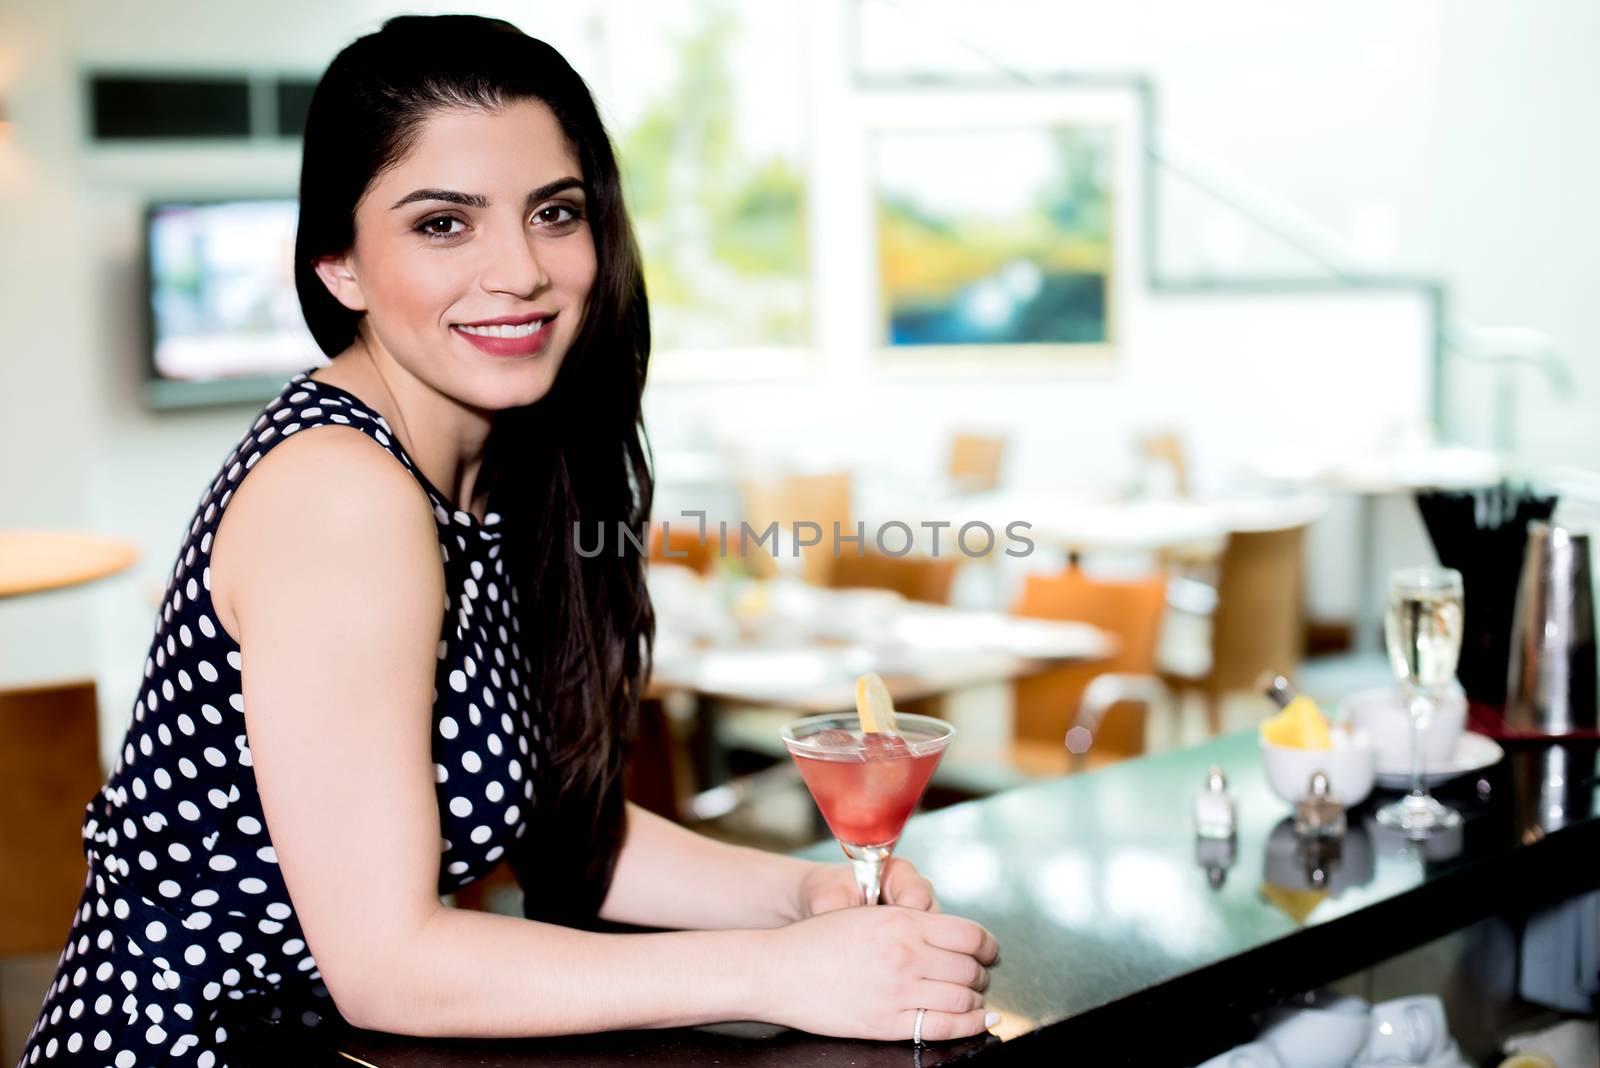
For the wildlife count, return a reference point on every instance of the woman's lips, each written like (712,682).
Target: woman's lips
(531,345)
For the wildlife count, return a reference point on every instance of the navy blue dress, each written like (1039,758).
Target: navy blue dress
(185,947)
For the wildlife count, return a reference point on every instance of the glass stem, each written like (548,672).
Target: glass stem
(869,876)
(1421,706)
(867,863)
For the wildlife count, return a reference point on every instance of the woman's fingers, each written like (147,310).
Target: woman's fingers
(945,997)
(837,894)
(903,885)
(947,967)
(945,1026)
(961,936)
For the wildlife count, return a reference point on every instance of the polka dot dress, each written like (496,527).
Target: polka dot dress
(185,948)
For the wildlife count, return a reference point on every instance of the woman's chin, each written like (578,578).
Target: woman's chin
(520,388)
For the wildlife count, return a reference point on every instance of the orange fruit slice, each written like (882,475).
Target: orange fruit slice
(874,705)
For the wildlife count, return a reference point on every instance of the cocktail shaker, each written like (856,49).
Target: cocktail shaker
(1550,685)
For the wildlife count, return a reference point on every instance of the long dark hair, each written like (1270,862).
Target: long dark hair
(579,453)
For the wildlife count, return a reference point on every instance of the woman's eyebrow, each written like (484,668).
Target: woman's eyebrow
(474,200)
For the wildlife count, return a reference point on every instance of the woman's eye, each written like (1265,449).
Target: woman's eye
(550,217)
(429,226)
(557,215)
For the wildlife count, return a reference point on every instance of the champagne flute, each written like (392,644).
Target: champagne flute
(1422,627)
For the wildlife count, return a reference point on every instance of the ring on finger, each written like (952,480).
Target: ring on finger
(916,1032)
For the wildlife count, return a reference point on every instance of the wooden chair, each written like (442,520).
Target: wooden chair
(1082,716)
(659,775)
(975,462)
(1166,448)
(49,770)
(916,578)
(1048,705)
(1258,626)
(823,499)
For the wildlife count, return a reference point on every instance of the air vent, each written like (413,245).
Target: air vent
(124,107)
(165,105)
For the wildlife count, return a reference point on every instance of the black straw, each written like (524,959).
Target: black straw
(1483,534)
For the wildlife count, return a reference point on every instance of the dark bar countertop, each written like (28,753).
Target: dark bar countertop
(1109,921)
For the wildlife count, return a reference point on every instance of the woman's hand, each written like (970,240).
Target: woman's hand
(825,887)
(864,973)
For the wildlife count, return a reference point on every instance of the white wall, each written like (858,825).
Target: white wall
(1446,137)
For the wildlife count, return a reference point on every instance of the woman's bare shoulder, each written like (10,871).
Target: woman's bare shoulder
(329,498)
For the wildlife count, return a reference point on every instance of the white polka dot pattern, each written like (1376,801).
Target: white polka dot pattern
(185,931)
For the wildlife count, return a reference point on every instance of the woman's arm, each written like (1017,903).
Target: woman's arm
(857,973)
(328,563)
(669,876)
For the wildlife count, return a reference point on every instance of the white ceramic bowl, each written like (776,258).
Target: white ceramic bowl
(1351,766)
(1384,714)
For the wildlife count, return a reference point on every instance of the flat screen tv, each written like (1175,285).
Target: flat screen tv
(224,323)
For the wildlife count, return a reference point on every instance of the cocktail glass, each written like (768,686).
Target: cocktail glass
(866,784)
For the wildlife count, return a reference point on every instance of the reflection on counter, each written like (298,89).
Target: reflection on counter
(1563,782)
(1300,873)
(1444,844)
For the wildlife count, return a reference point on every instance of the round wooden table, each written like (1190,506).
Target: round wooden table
(34,561)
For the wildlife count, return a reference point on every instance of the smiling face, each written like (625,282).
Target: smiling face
(484,220)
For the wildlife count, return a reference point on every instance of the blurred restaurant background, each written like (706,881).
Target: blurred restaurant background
(1183,304)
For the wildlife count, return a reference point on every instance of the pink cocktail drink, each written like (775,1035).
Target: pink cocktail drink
(867,784)
(867,787)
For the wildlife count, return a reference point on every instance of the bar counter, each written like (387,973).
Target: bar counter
(1122,937)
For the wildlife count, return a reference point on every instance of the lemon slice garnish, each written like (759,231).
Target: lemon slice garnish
(874,705)
(1299,726)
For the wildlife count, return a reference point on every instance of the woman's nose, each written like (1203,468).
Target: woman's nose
(513,266)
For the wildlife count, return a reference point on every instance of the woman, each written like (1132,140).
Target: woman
(317,753)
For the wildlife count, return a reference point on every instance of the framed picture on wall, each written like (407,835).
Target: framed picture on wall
(1005,225)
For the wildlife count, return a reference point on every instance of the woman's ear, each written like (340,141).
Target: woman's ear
(341,281)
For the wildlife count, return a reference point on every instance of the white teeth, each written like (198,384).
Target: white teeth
(524,330)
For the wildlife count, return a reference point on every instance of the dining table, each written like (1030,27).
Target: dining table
(37,561)
(729,645)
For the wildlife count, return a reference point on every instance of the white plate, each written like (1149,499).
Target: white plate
(1474,752)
